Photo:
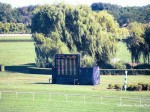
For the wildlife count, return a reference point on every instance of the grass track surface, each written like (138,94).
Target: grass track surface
(49,98)
(17,53)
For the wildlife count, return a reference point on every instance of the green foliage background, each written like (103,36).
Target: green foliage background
(125,15)
(68,29)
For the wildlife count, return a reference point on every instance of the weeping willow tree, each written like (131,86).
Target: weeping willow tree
(146,48)
(138,42)
(68,29)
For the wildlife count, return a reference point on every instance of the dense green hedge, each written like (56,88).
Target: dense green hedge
(14,28)
(122,71)
(142,66)
(131,87)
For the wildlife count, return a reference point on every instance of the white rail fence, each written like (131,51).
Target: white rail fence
(120,101)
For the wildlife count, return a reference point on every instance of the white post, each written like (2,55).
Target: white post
(125,80)
(66,98)
(120,101)
(33,96)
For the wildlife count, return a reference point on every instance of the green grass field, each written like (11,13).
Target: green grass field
(123,54)
(23,92)
(17,53)
(24,102)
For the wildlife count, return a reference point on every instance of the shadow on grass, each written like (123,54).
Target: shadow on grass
(29,68)
(47,83)
(19,68)
(42,83)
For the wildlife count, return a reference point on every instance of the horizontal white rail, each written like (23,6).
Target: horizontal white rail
(67,95)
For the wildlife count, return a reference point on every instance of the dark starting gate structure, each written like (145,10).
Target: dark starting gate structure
(67,70)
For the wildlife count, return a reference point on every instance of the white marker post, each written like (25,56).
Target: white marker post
(125,80)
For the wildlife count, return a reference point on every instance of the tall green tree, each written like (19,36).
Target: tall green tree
(68,29)
(12,28)
(6,12)
(138,42)
(135,41)
(125,15)
(146,47)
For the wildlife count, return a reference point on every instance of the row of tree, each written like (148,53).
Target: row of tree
(68,29)
(125,15)
(15,20)
(17,15)
(65,29)
(6,28)
(137,20)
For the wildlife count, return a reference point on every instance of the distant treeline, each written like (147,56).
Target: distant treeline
(125,15)
(12,28)
(16,15)
(15,20)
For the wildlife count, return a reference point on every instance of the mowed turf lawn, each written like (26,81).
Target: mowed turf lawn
(123,53)
(16,53)
(52,97)
(22,92)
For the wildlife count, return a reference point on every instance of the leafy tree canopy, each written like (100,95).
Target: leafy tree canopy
(68,29)
(125,15)
(138,42)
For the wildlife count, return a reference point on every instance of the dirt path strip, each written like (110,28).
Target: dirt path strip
(14,35)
